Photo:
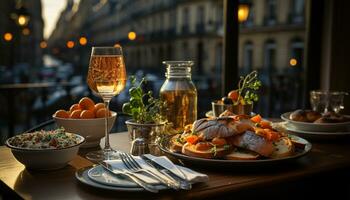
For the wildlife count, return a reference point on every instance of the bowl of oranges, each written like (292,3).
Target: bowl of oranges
(86,119)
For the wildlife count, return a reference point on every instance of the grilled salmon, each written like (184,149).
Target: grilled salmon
(253,142)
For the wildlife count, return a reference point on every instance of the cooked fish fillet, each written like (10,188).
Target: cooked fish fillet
(251,141)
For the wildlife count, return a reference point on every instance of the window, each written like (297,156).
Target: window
(269,55)
(297,11)
(296,53)
(185,20)
(200,57)
(200,20)
(270,12)
(247,57)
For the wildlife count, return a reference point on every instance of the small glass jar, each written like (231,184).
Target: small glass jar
(180,95)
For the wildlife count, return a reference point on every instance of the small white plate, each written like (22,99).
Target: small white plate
(82,176)
(316,127)
(315,134)
(100,175)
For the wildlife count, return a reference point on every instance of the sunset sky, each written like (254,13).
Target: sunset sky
(51,11)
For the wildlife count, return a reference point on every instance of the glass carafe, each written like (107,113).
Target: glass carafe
(180,95)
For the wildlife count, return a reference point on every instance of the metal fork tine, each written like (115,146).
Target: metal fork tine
(127,165)
(133,161)
(126,159)
(126,162)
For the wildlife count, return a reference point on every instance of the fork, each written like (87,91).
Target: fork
(132,166)
(136,179)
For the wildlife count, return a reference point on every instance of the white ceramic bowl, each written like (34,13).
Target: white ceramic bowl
(91,129)
(316,127)
(45,159)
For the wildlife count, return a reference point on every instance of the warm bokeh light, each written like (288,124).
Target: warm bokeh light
(132,35)
(43,44)
(243,12)
(8,37)
(26,31)
(293,62)
(22,20)
(116,45)
(82,41)
(70,44)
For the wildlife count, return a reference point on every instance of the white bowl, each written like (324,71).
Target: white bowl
(45,159)
(91,129)
(316,127)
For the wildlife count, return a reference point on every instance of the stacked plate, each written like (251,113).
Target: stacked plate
(316,130)
(99,177)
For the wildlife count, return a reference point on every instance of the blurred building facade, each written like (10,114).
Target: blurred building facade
(173,29)
(165,30)
(21,31)
(271,40)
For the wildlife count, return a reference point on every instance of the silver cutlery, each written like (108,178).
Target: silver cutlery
(184,183)
(137,180)
(133,167)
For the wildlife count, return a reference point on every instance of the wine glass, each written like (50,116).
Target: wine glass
(107,78)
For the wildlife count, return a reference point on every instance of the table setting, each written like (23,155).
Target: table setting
(167,146)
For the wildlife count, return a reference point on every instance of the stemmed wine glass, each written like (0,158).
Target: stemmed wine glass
(107,78)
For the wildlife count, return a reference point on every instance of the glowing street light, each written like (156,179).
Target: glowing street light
(82,41)
(243,12)
(8,37)
(70,44)
(132,35)
(43,44)
(293,62)
(23,20)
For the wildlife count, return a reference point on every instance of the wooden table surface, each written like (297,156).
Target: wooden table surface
(324,160)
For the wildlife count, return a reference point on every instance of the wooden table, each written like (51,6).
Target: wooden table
(320,172)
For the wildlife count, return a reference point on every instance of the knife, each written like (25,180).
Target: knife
(137,180)
(184,183)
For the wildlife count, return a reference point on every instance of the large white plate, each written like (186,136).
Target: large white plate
(316,127)
(316,135)
(164,146)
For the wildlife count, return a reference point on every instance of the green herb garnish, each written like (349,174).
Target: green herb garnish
(213,150)
(143,107)
(248,87)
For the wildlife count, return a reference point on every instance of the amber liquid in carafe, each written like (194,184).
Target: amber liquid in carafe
(181,103)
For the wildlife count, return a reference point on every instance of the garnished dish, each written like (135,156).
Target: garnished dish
(54,139)
(235,138)
(240,100)
(312,121)
(45,150)
(316,117)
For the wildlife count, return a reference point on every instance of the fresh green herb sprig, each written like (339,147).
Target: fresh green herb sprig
(143,107)
(248,87)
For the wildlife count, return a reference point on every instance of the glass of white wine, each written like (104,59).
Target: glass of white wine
(107,78)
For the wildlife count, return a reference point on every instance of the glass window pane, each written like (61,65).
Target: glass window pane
(275,47)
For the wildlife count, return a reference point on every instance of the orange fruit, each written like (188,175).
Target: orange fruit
(62,114)
(101,113)
(233,95)
(75,114)
(87,114)
(74,107)
(99,106)
(86,103)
